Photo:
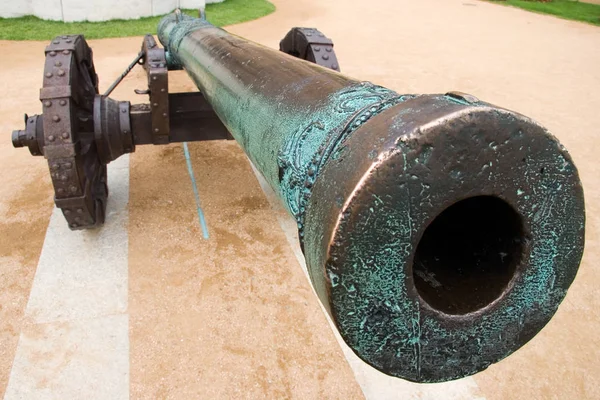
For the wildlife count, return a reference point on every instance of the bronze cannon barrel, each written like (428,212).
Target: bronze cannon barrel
(441,232)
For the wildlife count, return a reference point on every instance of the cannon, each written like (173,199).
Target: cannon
(440,232)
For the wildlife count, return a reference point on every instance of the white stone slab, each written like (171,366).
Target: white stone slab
(83,359)
(84,274)
(75,341)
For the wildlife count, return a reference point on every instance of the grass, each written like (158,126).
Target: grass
(219,14)
(566,9)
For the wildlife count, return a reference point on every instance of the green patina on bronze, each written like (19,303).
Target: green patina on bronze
(365,171)
(293,137)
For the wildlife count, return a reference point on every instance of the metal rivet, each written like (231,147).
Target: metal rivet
(55,166)
(165,115)
(66,52)
(123,110)
(334,66)
(56,42)
(66,212)
(125,131)
(60,190)
(57,64)
(307,184)
(162,90)
(61,72)
(154,78)
(80,211)
(325,57)
(156,130)
(63,178)
(309,34)
(74,225)
(311,171)
(65,37)
(69,41)
(155,104)
(328,49)
(62,102)
(73,189)
(65,135)
(47,103)
(51,138)
(48,74)
(52,53)
(68,165)
(56,118)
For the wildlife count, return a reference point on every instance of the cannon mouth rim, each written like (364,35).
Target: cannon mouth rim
(341,200)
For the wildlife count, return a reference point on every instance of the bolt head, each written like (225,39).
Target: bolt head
(57,64)
(325,57)
(66,52)
(61,72)
(62,102)
(52,53)
(65,135)
(51,138)
(80,211)
(73,189)
(56,118)
(48,74)
(66,212)
(56,42)
(47,103)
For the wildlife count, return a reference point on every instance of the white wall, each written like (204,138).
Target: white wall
(94,10)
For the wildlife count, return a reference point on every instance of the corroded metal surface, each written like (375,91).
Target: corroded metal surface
(440,232)
(78,175)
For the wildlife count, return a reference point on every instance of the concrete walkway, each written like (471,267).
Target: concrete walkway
(234,316)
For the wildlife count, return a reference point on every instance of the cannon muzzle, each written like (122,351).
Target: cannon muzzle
(440,232)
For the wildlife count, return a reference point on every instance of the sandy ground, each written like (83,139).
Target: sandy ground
(234,317)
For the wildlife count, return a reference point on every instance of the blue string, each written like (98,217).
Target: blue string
(201,218)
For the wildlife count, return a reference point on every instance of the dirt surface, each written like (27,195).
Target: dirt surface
(233,317)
